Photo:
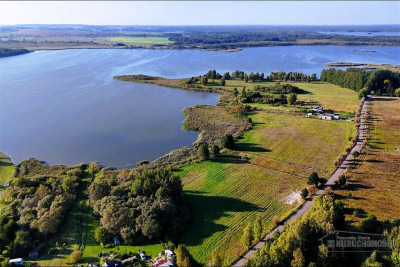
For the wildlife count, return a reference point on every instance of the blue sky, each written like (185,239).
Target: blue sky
(201,13)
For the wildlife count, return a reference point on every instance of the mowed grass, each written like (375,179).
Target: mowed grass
(330,96)
(374,181)
(226,194)
(6,168)
(309,143)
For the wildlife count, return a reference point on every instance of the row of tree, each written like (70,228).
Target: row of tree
(381,82)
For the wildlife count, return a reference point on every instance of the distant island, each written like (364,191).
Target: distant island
(5,52)
(370,66)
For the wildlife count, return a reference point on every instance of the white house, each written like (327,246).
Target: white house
(326,116)
(18,261)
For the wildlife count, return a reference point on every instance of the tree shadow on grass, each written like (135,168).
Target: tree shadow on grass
(250,147)
(206,210)
(357,186)
(229,159)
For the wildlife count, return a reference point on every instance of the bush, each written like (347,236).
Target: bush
(102,235)
(76,256)
(342,180)
(356,154)
(304,193)
(312,189)
(397,92)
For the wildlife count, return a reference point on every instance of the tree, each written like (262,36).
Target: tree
(371,261)
(102,235)
(215,151)
(235,92)
(397,92)
(222,81)
(227,141)
(313,76)
(204,80)
(76,256)
(248,235)
(258,228)
(304,193)
(291,98)
(356,154)
(246,78)
(203,152)
(313,179)
(182,256)
(298,258)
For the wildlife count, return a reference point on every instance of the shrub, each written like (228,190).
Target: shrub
(397,92)
(276,220)
(304,193)
(356,154)
(342,180)
(102,235)
(76,256)
(248,235)
(312,189)
(328,191)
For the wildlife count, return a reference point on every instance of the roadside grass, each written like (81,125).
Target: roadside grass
(309,143)
(6,169)
(373,185)
(224,195)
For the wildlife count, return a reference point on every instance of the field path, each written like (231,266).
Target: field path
(307,204)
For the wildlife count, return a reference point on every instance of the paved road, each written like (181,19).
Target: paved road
(307,205)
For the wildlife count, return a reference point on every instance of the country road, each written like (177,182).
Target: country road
(307,204)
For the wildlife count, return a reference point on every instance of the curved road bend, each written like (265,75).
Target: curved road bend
(307,204)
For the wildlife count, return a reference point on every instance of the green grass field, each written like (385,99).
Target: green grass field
(6,168)
(328,95)
(302,141)
(225,195)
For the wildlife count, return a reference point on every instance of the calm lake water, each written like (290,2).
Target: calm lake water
(65,107)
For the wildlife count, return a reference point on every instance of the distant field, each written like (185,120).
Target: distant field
(137,41)
(303,141)
(6,168)
(374,184)
(227,194)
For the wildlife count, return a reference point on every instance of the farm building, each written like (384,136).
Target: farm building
(112,264)
(317,108)
(329,116)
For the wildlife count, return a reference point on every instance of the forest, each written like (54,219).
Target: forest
(381,82)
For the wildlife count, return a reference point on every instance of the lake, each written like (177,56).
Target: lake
(65,107)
